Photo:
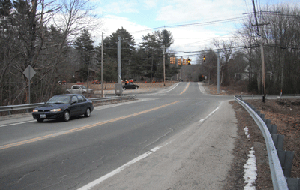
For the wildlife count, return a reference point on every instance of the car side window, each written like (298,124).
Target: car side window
(80,99)
(83,98)
(74,99)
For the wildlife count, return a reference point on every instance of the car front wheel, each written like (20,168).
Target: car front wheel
(66,117)
(87,112)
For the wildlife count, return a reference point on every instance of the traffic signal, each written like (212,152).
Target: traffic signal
(172,60)
(204,58)
(188,61)
(179,61)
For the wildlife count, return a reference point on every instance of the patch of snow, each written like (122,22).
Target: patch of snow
(246,132)
(250,171)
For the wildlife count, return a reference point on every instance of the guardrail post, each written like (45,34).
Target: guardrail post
(268,124)
(273,129)
(286,159)
(293,183)
(289,155)
(262,116)
(258,112)
(278,141)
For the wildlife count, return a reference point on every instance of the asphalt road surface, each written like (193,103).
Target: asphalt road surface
(175,138)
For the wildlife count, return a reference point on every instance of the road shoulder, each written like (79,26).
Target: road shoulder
(199,157)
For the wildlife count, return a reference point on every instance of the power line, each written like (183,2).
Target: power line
(194,24)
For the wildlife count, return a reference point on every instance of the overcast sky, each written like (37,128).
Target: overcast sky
(140,17)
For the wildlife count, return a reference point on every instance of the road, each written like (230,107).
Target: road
(174,138)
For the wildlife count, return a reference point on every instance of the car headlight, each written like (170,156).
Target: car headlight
(35,111)
(55,110)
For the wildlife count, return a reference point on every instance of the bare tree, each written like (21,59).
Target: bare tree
(278,31)
(29,39)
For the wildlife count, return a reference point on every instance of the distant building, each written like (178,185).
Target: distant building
(243,75)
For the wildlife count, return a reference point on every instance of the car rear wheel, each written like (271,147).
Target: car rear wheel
(66,117)
(40,120)
(87,112)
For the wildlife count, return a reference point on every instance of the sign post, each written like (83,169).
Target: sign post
(29,73)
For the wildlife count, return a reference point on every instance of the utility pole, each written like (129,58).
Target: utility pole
(118,86)
(119,59)
(263,73)
(262,55)
(164,64)
(181,60)
(218,71)
(102,93)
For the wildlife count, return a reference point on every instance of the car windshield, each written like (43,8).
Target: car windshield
(76,87)
(59,100)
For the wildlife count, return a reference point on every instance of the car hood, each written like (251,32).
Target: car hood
(52,106)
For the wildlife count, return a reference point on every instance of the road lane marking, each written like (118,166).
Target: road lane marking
(81,128)
(201,88)
(202,120)
(120,169)
(172,87)
(185,88)
(164,91)
(124,103)
(17,123)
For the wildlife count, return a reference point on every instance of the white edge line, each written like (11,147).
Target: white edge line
(118,170)
(18,123)
(202,120)
(173,87)
(201,88)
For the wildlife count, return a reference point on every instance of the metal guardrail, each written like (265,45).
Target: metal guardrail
(18,107)
(278,178)
(31,106)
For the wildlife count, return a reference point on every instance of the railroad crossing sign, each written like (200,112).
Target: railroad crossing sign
(29,72)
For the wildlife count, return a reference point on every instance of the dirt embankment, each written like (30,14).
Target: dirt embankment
(285,113)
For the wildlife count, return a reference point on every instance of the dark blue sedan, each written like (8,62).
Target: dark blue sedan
(63,107)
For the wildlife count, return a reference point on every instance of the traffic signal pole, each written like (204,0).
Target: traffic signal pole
(218,71)
(164,63)
(119,60)
(102,93)
(263,73)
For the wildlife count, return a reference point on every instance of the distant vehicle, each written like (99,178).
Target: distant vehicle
(62,82)
(63,107)
(96,82)
(130,86)
(79,89)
